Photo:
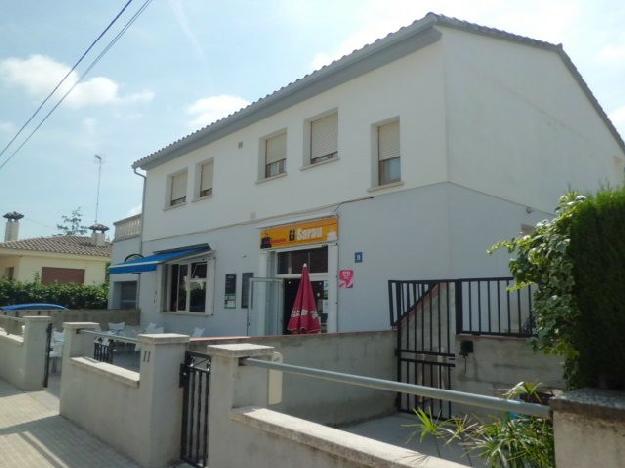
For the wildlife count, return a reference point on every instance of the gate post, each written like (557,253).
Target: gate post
(35,352)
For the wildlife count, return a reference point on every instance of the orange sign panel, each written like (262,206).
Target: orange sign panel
(307,232)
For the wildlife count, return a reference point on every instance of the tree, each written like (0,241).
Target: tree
(72,224)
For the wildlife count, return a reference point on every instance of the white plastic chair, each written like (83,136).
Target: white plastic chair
(117,328)
(197,332)
(56,344)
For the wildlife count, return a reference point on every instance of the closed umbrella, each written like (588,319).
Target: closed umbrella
(304,316)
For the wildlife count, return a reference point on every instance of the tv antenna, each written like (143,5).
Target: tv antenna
(99,162)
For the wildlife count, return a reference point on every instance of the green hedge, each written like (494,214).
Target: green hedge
(597,250)
(72,296)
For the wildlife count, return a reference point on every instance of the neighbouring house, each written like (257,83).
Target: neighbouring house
(405,159)
(60,259)
(126,246)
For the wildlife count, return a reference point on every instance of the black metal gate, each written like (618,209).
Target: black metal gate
(421,313)
(195,381)
(46,365)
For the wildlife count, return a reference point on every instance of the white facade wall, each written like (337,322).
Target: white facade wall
(410,88)
(492,133)
(520,126)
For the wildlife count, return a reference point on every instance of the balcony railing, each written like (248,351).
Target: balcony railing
(128,227)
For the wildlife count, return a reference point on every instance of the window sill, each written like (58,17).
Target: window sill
(320,163)
(195,314)
(173,207)
(268,179)
(378,188)
(206,197)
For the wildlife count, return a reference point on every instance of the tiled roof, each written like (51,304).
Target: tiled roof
(74,245)
(255,110)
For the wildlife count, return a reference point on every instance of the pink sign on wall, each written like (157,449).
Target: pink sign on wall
(346,278)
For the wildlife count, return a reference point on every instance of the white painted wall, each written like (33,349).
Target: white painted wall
(519,125)
(411,88)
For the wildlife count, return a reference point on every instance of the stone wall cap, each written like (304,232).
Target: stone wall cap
(238,350)
(602,404)
(81,325)
(37,318)
(163,338)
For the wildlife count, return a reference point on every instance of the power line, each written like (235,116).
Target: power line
(82,77)
(58,85)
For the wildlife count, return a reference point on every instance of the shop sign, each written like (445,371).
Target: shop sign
(307,232)
(346,278)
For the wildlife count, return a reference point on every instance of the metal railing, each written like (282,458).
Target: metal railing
(107,345)
(479,306)
(465,398)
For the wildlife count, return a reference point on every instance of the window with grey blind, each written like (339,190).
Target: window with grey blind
(389,167)
(178,189)
(275,155)
(323,138)
(206,178)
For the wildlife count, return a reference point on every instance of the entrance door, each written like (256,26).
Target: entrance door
(265,306)
(290,291)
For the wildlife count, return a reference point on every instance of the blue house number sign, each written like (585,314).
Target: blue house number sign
(358,257)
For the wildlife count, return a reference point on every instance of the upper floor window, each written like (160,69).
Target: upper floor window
(275,155)
(323,138)
(205,182)
(178,188)
(389,167)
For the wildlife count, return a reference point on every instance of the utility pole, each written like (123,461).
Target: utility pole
(97,198)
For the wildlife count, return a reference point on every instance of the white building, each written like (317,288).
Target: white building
(406,159)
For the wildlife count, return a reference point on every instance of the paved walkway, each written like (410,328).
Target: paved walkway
(32,434)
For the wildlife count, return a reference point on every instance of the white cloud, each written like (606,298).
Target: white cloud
(550,21)
(134,210)
(612,53)
(39,74)
(8,127)
(207,110)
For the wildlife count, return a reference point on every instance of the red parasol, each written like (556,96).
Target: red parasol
(304,316)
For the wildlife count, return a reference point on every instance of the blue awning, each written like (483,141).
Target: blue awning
(151,262)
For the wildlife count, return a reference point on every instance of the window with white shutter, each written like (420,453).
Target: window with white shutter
(323,138)
(275,155)
(178,189)
(389,162)
(206,178)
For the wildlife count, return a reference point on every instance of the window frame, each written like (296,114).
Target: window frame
(197,192)
(209,282)
(376,163)
(308,159)
(170,186)
(262,157)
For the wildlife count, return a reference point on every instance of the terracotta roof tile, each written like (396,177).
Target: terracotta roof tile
(74,245)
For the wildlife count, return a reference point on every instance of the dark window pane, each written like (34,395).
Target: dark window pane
(182,287)
(283,262)
(197,296)
(298,258)
(173,287)
(198,270)
(318,260)
(389,171)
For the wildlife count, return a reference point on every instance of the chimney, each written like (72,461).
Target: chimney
(12,229)
(97,234)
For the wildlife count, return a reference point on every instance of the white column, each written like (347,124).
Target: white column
(257,322)
(333,296)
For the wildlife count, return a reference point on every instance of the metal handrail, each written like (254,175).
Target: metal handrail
(455,396)
(110,336)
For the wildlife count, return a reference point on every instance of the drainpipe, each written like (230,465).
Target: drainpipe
(134,170)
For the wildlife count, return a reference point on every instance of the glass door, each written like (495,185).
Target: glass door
(265,311)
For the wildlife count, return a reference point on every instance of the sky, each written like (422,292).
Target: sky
(186,63)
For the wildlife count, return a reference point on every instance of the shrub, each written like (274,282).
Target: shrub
(597,251)
(70,295)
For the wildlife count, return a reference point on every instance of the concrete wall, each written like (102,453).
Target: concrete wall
(102,317)
(22,358)
(370,354)
(519,125)
(137,413)
(28,266)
